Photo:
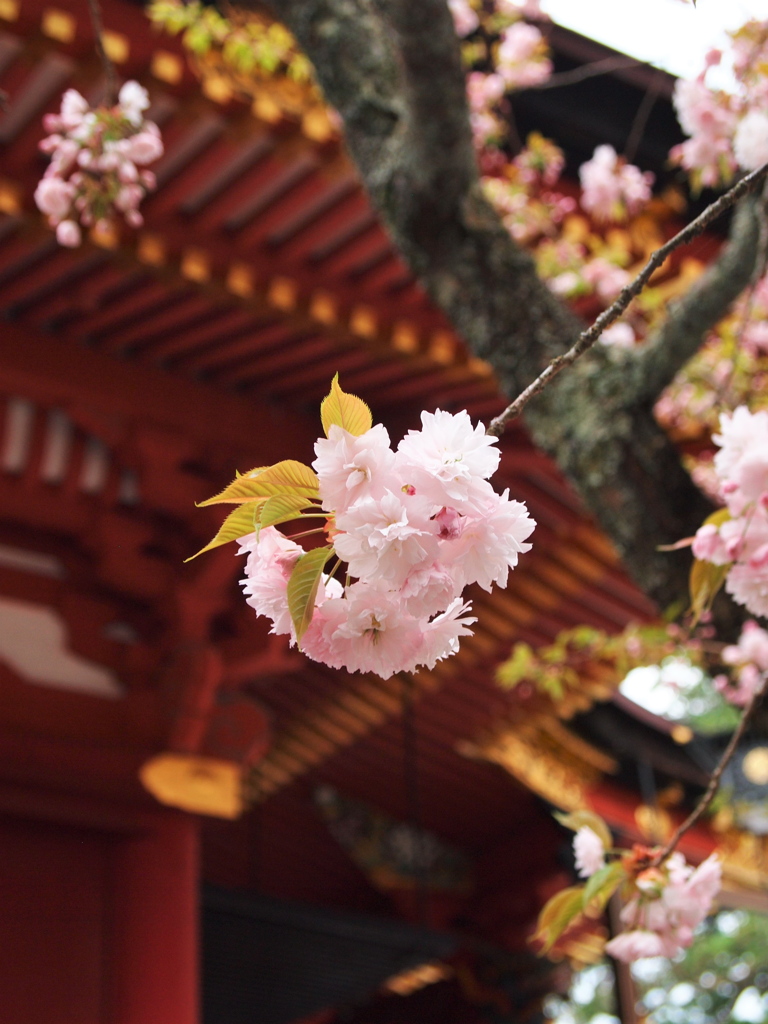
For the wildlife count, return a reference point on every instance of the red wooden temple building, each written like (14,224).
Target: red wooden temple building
(317,834)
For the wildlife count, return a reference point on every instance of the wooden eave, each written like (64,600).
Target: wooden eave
(203,344)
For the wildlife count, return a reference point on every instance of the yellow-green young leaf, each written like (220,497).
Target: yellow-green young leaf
(705,580)
(302,587)
(284,507)
(287,477)
(722,515)
(238,523)
(343,410)
(601,886)
(557,913)
(588,819)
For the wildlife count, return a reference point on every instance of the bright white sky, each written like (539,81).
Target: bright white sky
(668,33)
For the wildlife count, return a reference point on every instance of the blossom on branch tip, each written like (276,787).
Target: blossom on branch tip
(612,189)
(97,162)
(739,537)
(588,851)
(411,528)
(669,903)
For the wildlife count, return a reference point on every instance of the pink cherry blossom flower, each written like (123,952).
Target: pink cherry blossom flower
(619,335)
(709,546)
(74,107)
(92,173)
(379,541)
(589,852)
(750,144)
(440,637)
(413,528)
(364,631)
(611,188)
(271,558)
(521,59)
(526,8)
(145,147)
(447,458)
(606,278)
(465,19)
(670,903)
(351,468)
(68,234)
(637,944)
(483,90)
(752,647)
(490,542)
(748,585)
(54,197)
(739,431)
(428,590)
(134,100)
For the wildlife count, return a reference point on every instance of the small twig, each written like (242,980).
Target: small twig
(599,67)
(714,780)
(640,121)
(589,336)
(110,74)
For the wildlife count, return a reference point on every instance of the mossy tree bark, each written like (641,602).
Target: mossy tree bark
(392,69)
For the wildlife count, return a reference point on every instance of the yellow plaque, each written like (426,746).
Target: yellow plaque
(200,785)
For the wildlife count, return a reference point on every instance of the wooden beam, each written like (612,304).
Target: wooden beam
(65,375)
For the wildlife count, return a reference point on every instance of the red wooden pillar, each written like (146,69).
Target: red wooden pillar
(153,975)
(98,912)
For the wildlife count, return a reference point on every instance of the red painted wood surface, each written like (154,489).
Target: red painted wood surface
(98,925)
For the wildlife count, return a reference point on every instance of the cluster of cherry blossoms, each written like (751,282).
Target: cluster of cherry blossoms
(668,904)
(663,903)
(516,50)
(412,528)
(98,161)
(611,188)
(749,660)
(727,129)
(737,536)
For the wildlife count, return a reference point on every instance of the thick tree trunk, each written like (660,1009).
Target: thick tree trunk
(392,69)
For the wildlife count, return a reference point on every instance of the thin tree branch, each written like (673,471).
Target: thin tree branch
(606,66)
(714,780)
(641,118)
(705,303)
(588,337)
(109,68)
(417,163)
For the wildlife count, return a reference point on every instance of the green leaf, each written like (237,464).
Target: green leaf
(601,886)
(302,587)
(238,523)
(284,507)
(705,580)
(287,477)
(343,410)
(588,819)
(558,913)
(518,667)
